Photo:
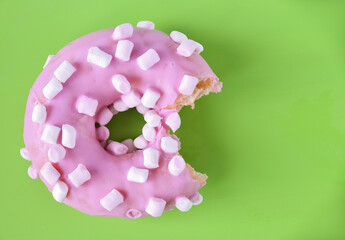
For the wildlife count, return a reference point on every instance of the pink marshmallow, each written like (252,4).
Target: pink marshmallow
(178,37)
(49,173)
(50,134)
(131,99)
(130,144)
(32,172)
(60,191)
(148,59)
(56,153)
(117,148)
(150,98)
(141,108)
(87,105)
(111,200)
(121,84)
(155,207)
(138,175)
(123,50)
(146,24)
(79,175)
(140,142)
(151,158)
(186,48)
(173,121)
(183,204)
(120,106)
(104,116)
(123,31)
(149,133)
(64,71)
(188,85)
(69,135)
(169,145)
(102,133)
(176,165)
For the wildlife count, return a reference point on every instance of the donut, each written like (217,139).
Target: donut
(85,85)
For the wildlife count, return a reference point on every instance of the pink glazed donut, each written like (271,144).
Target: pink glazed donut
(90,80)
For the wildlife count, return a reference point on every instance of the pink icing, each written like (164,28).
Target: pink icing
(109,171)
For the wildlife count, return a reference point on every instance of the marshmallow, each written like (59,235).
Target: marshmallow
(120,106)
(49,173)
(186,48)
(104,116)
(151,158)
(138,175)
(52,88)
(140,142)
(39,113)
(130,144)
(121,84)
(146,24)
(148,59)
(68,136)
(60,191)
(32,172)
(56,153)
(123,50)
(169,145)
(64,71)
(117,148)
(150,98)
(152,118)
(183,204)
(131,99)
(133,213)
(155,207)
(49,58)
(87,105)
(79,175)
(188,85)
(25,154)
(142,109)
(111,200)
(112,109)
(102,133)
(50,134)
(197,199)
(178,37)
(149,133)
(173,121)
(198,47)
(123,31)
(176,165)
(98,57)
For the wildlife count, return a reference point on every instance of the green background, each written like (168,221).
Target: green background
(272,143)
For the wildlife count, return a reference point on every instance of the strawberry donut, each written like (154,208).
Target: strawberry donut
(91,80)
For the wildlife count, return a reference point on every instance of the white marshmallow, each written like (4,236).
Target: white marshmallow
(155,207)
(169,145)
(49,58)
(111,200)
(87,105)
(178,37)
(123,31)
(39,113)
(141,109)
(120,106)
(131,99)
(98,57)
(146,24)
(140,142)
(68,136)
(52,88)
(148,59)
(123,50)
(104,116)
(56,153)
(152,118)
(198,47)
(64,71)
(138,175)
(150,98)
(188,85)
(117,148)
(149,133)
(50,134)
(130,145)
(176,165)
(121,84)
(60,191)
(197,199)
(183,204)
(151,158)
(186,48)
(79,175)
(49,173)
(113,110)
(32,172)
(173,121)
(25,154)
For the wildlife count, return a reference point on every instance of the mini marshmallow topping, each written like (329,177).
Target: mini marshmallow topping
(188,85)
(148,59)
(39,113)
(150,98)
(86,105)
(52,88)
(146,24)
(60,191)
(64,71)
(138,175)
(111,200)
(123,50)
(151,158)
(50,134)
(99,57)
(79,175)
(121,84)
(68,136)
(123,31)
(178,37)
